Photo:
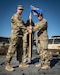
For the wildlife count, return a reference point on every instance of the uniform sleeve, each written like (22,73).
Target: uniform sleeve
(18,22)
(39,26)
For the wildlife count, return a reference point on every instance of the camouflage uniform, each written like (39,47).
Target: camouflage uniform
(18,29)
(41,27)
(16,37)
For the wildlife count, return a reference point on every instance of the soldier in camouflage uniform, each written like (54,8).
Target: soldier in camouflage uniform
(18,29)
(41,27)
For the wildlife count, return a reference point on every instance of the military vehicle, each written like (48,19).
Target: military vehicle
(4,44)
(54,44)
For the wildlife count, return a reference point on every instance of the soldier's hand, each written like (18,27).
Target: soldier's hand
(30,31)
(29,27)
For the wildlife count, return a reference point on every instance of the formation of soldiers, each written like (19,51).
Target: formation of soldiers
(19,42)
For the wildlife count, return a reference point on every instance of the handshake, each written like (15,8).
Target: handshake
(29,28)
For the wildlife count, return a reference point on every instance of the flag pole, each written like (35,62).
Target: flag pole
(30,41)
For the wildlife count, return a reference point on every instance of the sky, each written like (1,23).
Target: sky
(50,8)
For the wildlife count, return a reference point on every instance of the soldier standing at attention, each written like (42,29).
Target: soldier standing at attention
(41,27)
(15,41)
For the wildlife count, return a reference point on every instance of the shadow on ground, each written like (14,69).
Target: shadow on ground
(54,61)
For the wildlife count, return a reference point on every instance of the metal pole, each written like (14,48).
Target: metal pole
(30,43)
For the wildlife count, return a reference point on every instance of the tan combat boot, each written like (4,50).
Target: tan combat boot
(38,65)
(25,60)
(45,67)
(8,67)
(23,65)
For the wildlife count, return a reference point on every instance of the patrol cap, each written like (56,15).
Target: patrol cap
(20,7)
(40,14)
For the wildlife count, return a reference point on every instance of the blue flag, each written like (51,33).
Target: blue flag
(35,10)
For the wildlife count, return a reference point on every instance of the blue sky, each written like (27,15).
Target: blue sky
(51,11)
